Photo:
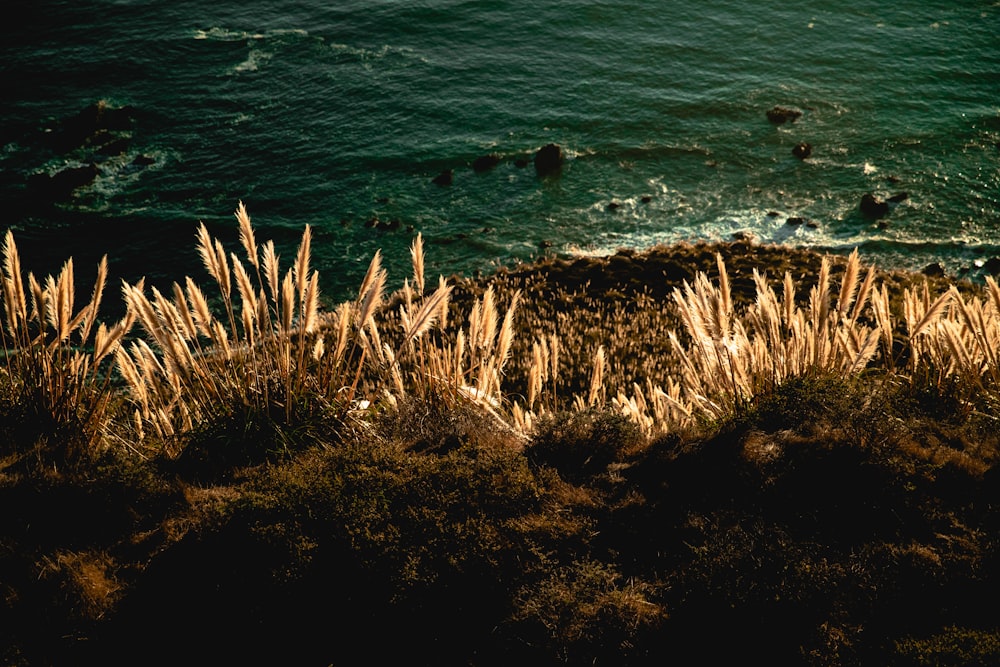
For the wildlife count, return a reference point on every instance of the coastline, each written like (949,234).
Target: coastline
(662,268)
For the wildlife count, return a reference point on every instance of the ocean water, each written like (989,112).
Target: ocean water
(339,115)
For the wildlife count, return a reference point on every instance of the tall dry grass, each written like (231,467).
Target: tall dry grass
(275,352)
(723,359)
(953,337)
(55,382)
(193,363)
(729,359)
(271,349)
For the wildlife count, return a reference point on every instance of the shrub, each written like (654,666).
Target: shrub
(582,444)
(952,646)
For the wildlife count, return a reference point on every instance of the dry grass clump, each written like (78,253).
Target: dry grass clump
(255,357)
(951,336)
(55,387)
(461,364)
(587,611)
(85,578)
(583,443)
(275,357)
(726,356)
(730,359)
(560,328)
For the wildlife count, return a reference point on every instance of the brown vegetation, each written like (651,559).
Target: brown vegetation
(715,450)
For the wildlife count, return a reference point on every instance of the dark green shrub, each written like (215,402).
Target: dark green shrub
(244,435)
(586,613)
(583,444)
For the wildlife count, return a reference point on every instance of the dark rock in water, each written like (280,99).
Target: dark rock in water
(485,163)
(390,226)
(446,177)
(780,115)
(773,214)
(61,185)
(802,150)
(812,224)
(992,266)
(545,244)
(114,147)
(548,159)
(646,199)
(521,162)
(934,269)
(902,196)
(82,128)
(613,205)
(744,235)
(143,161)
(795,221)
(873,207)
(372,222)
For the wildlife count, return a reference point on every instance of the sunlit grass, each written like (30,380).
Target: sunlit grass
(275,353)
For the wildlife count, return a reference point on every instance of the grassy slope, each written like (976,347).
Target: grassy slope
(831,523)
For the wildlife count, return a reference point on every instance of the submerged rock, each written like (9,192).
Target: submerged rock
(873,207)
(93,122)
(802,150)
(60,186)
(780,115)
(485,163)
(446,177)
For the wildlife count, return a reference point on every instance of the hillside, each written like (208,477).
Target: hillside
(829,518)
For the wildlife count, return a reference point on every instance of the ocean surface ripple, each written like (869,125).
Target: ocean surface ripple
(340,117)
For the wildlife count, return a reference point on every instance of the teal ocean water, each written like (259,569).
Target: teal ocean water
(340,115)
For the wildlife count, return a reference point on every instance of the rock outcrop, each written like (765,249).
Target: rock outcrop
(485,163)
(780,115)
(549,159)
(802,150)
(446,177)
(873,207)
